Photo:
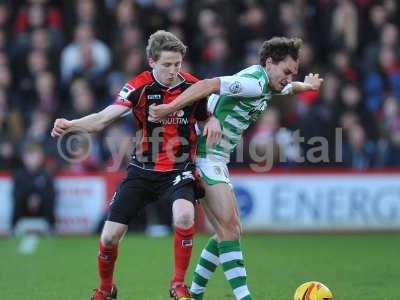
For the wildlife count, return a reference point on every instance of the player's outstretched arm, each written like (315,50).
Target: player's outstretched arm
(312,82)
(92,123)
(197,91)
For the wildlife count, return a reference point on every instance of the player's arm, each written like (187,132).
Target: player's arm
(92,123)
(312,82)
(196,92)
(126,99)
(225,85)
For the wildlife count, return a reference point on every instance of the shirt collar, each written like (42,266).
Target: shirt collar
(165,86)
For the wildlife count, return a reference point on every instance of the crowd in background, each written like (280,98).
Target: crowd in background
(70,58)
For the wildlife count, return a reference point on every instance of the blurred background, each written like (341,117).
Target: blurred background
(324,162)
(70,58)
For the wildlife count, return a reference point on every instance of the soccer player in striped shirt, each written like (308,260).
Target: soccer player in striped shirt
(162,164)
(236,101)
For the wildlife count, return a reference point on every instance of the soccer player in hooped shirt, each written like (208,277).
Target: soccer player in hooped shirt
(162,165)
(236,101)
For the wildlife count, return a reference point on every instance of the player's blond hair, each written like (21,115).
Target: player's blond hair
(278,48)
(163,40)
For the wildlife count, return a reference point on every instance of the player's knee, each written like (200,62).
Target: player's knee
(184,219)
(230,230)
(110,239)
(232,233)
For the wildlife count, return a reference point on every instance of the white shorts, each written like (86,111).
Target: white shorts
(213,171)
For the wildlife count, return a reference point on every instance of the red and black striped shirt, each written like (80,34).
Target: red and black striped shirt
(171,143)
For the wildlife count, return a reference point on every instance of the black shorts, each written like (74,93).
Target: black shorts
(142,187)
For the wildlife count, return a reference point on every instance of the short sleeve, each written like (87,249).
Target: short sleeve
(240,86)
(130,93)
(127,96)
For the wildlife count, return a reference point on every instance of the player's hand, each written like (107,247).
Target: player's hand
(60,126)
(158,112)
(212,129)
(313,81)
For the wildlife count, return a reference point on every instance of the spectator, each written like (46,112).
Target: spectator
(388,152)
(34,197)
(86,12)
(85,56)
(358,152)
(126,14)
(46,94)
(129,41)
(217,59)
(38,132)
(345,25)
(378,17)
(4,16)
(8,159)
(342,65)
(352,100)
(83,103)
(388,147)
(37,15)
(386,77)
(253,23)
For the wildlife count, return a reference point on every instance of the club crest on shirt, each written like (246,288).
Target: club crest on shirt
(217,170)
(235,87)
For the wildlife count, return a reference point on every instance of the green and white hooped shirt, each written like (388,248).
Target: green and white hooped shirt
(242,99)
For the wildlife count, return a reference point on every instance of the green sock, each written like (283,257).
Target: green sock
(206,266)
(231,259)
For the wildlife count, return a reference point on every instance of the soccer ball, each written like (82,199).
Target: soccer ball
(313,290)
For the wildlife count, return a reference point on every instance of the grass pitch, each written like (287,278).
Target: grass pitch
(354,267)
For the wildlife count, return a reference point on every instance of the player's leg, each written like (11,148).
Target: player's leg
(222,212)
(131,196)
(205,268)
(221,203)
(108,252)
(183,218)
(220,208)
(180,190)
(212,172)
(207,262)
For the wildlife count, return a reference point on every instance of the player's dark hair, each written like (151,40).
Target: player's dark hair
(163,40)
(278,48)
